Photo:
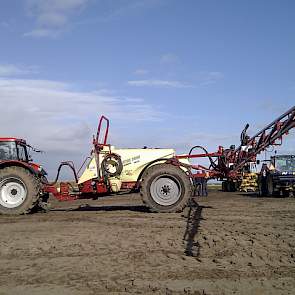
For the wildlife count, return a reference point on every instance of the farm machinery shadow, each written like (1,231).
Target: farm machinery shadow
(106,208)
(256,195)
(249,194)
(194,219)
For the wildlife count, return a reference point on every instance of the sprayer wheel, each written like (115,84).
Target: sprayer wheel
(166,188)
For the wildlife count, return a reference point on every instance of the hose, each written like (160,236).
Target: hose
(212,163)
(70,165)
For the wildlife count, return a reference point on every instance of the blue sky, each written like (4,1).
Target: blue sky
(168,73)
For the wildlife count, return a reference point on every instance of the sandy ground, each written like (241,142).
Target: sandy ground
(229,244)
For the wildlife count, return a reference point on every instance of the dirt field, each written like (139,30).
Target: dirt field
(233,244)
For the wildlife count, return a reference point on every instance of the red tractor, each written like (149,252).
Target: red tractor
(20,178)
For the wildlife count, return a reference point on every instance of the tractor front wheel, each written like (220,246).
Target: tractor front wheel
(166,188)
(19,190)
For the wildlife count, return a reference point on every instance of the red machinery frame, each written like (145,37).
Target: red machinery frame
(98,133)
(228,163)
(90,187)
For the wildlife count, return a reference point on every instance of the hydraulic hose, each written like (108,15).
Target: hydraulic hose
(212,163)
(70,165)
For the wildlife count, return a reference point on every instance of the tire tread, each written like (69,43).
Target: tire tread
(34,186)
(165,168)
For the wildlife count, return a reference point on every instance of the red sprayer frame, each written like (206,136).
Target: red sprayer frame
(88,188)
(99,130)
(228,163)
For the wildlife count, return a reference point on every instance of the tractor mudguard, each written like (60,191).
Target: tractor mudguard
(4,164)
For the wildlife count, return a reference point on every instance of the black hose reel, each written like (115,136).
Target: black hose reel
(112,165)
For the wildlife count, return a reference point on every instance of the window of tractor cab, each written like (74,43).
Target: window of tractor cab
(22,152)
(285,163)
(9,150)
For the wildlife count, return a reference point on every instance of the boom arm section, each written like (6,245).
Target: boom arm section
(230,162)
(271,135)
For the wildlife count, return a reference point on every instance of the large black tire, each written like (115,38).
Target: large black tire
(230,186)
(262,187)
(224,186)
(19,190)
(233,186)
(287,193)
(166,188)
(269,186)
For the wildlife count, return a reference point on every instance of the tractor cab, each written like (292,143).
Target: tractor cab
(283,164)
(13,149)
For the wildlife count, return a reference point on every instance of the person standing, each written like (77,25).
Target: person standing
(204,185)
(204,192)
(198,185)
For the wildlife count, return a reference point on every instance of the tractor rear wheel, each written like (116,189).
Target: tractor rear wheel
(270,186)
(262,187)
(19,190)
(166,188)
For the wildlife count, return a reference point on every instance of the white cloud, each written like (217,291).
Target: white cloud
(60,120)
(52,19)
(121,8)
(4,24)
(42,33)
(51,16)
(207,78)
(141,72)
(169,58)
(159,83)
(14,70)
